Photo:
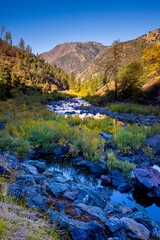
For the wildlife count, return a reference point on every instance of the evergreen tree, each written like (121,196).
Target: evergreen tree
(21,44)
(8,37)
(116,55)
(72,81)
(2,30)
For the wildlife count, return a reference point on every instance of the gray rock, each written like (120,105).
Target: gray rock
(98,169)
(97,212)
(114,224)
(143,218)
(29,168)
(97,197)
(139,231)
(148,177)
(124,187)
(11,154)
(33,199)
(57,151)
(154,142)
(25,177)
(40,178)
(81,230)
(27,183)
(117,178)
(106,179)
(41,166)
(54,215)
(60,179)
(70,195)
(57,189)
(84,197)
(3,171)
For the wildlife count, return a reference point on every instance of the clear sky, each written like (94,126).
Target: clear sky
(45,23)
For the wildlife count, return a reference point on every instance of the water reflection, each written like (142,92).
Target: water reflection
(71,172)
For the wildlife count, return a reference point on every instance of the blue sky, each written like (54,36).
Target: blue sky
(45,23)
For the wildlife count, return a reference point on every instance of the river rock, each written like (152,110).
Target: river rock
(84,197)
(11,154)
(4,171)
(97,212)
(124,187)
(57,189)
(33,199)
(143,218)
(154,142)
(96,196)
(81,230)
(139,231)
(98,169)
(149,177)
(70,195)
(40,178)
(41,166)
(154,193)
(54,215)
(29,168)
(106,179)
(117,178)
(57,151)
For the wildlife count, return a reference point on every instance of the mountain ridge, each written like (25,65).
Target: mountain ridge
(74,56)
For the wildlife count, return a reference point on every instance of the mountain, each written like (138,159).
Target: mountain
(75,56)
(22,67)
(130,50)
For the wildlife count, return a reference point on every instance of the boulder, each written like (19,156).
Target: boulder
(54,215)
(106,179)
(57,151)
(70,195)
(97,198)
(154,193)
(98,169)
(117,178)
(57,189)
(138,230)
(148,177)
(114,224)
(40,178)
(41,166)
(29,168)
(3,171)
(84,197)
(33,199)
(154,142)
(97,212)
(81,230)
(124,187)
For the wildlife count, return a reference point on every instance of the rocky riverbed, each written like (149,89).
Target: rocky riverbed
(86,198)
(83,108)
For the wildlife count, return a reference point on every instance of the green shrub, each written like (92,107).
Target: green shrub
(124,166)
(2,227)
(135,108)
(127,138)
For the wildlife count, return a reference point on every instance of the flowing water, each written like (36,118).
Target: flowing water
(70,171)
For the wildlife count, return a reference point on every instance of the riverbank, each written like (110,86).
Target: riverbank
(100,147)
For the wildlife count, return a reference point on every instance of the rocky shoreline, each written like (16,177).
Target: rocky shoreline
(86,212)
(81,109)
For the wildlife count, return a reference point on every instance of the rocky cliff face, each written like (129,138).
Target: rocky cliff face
(75,56)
